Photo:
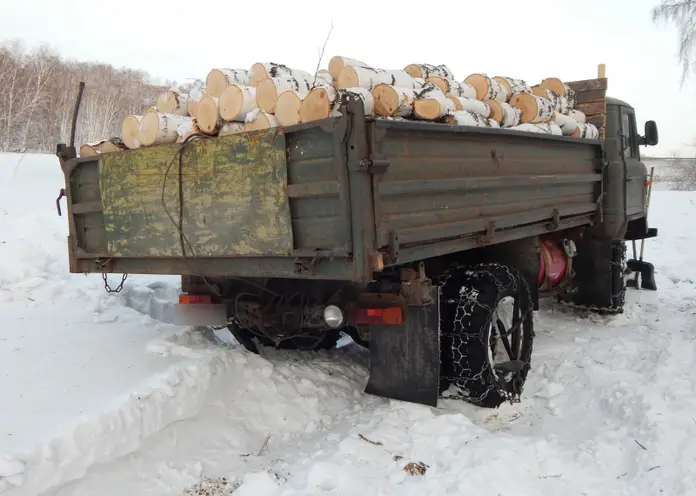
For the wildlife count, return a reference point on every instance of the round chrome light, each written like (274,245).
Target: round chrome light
(333,316)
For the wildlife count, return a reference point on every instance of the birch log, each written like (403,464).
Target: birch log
(486,88)
(219,79)
(236,101)
(425,71)
(130,131)
(208,115)
(104,146)
(187,129)
(321,103)
(194,96)
(534,109)
(560,103)
(478,106)
(503,113)
(287,108)
(172,102)
(450,87)
(543,128)
(368,78)
(431,103)
(157,128)
(392,101)
(567,124)
(231,128)
(261,71)
(268,89)
(337,63)
(555,84)
(467,118)
(512,86)
(258,119)
(588,131)
(577,115)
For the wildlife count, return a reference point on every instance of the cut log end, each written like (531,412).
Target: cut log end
(533,109)
(287,108)
(348,78)
(207,115)
(428,109)
(260,120)
(316,105)
(130,131)
(266,95)
(387,101)
(215,83)
(554,84)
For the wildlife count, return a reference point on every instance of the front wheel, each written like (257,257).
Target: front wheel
(487,330)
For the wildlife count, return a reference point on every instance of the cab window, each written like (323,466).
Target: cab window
(629,134)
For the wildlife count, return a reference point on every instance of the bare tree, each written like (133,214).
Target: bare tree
(682,13)
(37,95)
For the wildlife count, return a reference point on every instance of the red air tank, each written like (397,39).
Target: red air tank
(553,263)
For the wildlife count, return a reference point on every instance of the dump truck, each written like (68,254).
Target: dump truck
(430,245)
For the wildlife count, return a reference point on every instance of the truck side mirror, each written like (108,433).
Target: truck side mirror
(651,137)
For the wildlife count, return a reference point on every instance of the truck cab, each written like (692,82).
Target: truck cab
(626,178)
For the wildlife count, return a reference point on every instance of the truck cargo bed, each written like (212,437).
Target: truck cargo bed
(332,199)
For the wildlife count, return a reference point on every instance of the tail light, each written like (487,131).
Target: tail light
(388,316)
(193,299)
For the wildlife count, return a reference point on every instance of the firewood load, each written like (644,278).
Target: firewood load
(231,100)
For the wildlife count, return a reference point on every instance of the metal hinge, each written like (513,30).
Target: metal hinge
(486,238)
(375,166)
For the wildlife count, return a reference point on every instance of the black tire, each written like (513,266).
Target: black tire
(470,299)
(324,340)
(600,271)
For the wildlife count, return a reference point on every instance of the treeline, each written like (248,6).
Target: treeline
(37,96)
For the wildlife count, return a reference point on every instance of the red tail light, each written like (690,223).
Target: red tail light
(389,316)
(192,299)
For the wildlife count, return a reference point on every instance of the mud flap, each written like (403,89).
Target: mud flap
(405,359)
(647,274)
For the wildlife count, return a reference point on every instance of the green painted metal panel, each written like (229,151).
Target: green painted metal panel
(234,195)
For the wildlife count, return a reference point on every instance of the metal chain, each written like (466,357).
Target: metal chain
(108,288)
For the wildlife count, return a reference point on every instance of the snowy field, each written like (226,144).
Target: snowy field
(100,396)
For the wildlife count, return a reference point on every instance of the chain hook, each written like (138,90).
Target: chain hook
(108,288)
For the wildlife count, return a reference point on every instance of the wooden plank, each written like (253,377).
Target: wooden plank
(589,85)
(593,108)
(591,96)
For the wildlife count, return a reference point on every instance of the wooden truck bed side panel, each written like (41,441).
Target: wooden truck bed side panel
(319,206)
(447,184)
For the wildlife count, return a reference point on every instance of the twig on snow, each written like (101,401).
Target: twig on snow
(646,449)
(264,447)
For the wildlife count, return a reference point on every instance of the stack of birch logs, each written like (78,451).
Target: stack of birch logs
(232,101)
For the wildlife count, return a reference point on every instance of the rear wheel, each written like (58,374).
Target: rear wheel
(487,331)
(599,279)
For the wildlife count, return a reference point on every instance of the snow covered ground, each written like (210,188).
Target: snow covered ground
(100,396)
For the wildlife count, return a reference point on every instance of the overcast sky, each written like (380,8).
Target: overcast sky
(528,39)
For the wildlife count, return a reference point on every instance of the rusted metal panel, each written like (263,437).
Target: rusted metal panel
(233,191)
(445,183)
